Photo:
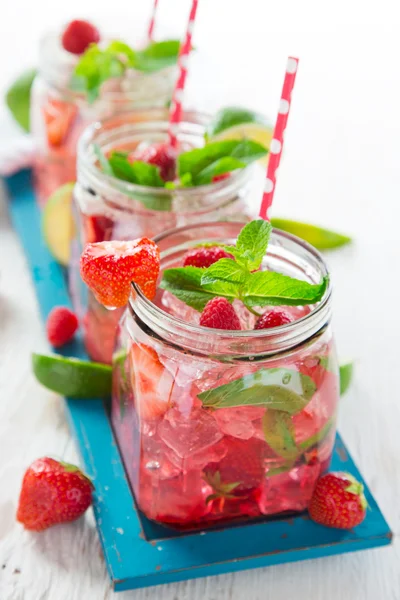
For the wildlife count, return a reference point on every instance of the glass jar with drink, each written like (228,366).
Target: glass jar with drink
(225,379)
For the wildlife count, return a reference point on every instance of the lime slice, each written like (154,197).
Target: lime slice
(57,223)
(72,377)
(236,123)
(18,98)
(323,239)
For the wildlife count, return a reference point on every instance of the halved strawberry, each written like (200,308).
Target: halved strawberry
(58,117)
(151,381)
(109,268)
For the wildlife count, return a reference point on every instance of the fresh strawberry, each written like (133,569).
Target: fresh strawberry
(240,471)
(61,326)
(52,492)
(58,118)
(160,155)
(338,501)
(152,383)
(221,177)
(274,318)
(78,35)
(218,313)
(108,268)
(205,257)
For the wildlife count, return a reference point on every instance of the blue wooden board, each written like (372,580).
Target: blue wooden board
(139,553)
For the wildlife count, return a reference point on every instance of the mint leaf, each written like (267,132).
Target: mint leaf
(346,375)
(280,389)
(195,161)
(323,239)
(185,284)
(252,243)
(224,278)
(157,56)
(267,288)
(18,98)
(219,167)
(318,437)
(137,172)
(279,433)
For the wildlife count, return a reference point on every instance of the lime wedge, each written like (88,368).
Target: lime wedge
(57,223)
(235,123)
(323,239)
(72,377)
(346,375)
(18,98)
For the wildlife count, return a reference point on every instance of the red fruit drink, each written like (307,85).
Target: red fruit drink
(217,425)
(107,208)
(59,114)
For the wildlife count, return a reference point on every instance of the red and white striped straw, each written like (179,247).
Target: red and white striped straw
(177,98)
(277,139)
(150,30)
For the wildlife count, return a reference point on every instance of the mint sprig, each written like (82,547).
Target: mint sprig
(97,65)
(235,278)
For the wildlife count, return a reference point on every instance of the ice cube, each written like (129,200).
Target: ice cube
(237,422)
(188,434)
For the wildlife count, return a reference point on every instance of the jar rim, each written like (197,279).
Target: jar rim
(315,320)
(86,162)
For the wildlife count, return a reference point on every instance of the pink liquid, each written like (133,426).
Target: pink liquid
(192,466)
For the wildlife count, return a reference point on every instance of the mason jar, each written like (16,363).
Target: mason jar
(196,449)
(59,115)
(106,208)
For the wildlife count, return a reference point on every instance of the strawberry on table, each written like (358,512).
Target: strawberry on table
(109,268)
(52,492)
(205,257)
(218,313)
(338,501)
(61,326)
(78,35)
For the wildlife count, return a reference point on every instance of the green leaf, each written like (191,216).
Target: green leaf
(279,433)
(280,389)
(185,284)
(267,288)
(346,375)
(288,466)
(18,98)
(105,165)
(317,437)
(323,239)
(137,172)
(195,161)
(219,167)
(252,243)
(157,56)
(224,278)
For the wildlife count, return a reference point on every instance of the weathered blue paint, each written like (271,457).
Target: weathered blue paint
(140,553)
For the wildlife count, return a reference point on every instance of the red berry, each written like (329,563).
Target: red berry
(78,35)
(218,313)
(205,257)
(52,492)
(109,268)
(243,465)
(221,177)
(338,501)
(274,318)
(61,326)
(161,156)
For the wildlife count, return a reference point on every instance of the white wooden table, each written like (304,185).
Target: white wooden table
(341,169)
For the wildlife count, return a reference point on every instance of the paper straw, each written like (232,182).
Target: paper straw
(177,98)
(277,139)
(152,21)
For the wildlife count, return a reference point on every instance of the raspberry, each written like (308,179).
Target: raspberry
(61,326)
(78,35)
(205,257)
(161,156)
(109,268)
(274,318)
(218,313)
